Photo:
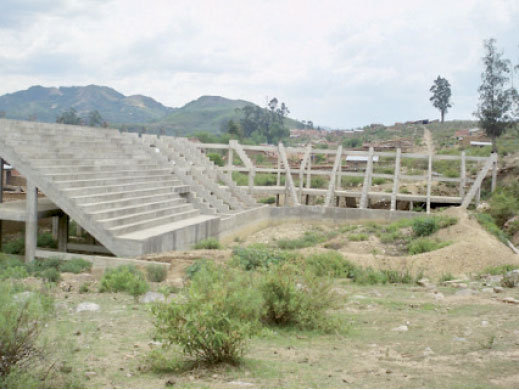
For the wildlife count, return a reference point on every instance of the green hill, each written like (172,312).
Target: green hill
(45,104)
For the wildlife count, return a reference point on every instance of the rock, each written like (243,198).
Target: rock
(151,297)
(459,339)
(464,293)
(483,206)
(438,296)
(401,328)
(488,290)
(493,279)
(424,282)
(510,300)
(484,324)
(427,351)
(171,382)
(90,374)
(240,383)
(87,306)
(498,289)
(453,283)
(23,296)
(512,221)
(511,279)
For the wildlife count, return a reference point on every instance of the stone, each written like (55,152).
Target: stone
(498,289)
(484,324)
(493,279)
(240,383)
(510,300)
(171,382)
(90,374)
(488,290)
(483,206)
(427,351)
(401,328)
(151,297)
(424,282)
(459,339)
(464,293)
(511,279)
(87,306)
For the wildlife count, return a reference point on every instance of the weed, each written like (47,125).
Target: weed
(487,221)
(259,256)
(75,266)
(422,245)
(45,240)
(124,278)
(156,273)
(308,239)
(208,243)
(84,288)
(331,264)
(445,277)
(51,275)
(269,200)
(358,237)
(14,247)
(195,267)
(499,269)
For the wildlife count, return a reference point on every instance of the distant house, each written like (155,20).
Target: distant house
(308,133)
(460,134)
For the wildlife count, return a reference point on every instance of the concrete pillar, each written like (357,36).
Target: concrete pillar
(62,232)
(31,222)
(411,206)
(277,200)
(55,222)
(494,175)
(230,158)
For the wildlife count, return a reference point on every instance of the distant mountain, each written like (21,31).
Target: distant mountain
(205,114)
(45,104)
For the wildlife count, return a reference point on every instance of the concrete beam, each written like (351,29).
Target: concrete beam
(463,175)
(429,184)
(62,235)
(288,177)
(367,180)
(31,222)
(396,179)
(304,162)
(333,177)
(476,186)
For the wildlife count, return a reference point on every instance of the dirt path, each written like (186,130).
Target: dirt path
(427,137)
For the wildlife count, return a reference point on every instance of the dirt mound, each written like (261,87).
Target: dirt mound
(472,250)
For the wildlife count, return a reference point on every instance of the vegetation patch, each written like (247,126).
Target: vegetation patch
(487,221)
(259,256)
(125,278)
(422,245)
(308,239)
(208,243)
(156,273)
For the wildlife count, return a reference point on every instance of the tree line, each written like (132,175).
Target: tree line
(71,117)
(498,106)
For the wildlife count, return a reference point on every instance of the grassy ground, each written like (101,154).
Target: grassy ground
(450,342)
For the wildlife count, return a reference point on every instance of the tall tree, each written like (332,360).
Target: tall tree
(69,117)
(95,119)
(495,95)
(441,90)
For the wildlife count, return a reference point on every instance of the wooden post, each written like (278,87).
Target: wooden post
(63,232)
(463,175)
(230,157)
(309,171)
(31,221)
(367,180)
(429,183)
(396,179)
(304,162)
(494,174)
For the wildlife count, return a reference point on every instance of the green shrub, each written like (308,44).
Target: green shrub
(488,223)
(266,179)
(45,240)
(216,158)
(317,182)
(503,206)
(358,237)
(51,275)
(422,245)
(351,181)
(379,180)
(269,200)
(75,266)
(156,273)
(368,276)
(17,272)
(192,270)
(445,277)
(425,226)
(259,256)
(292,298)
(21,319)
(125,278)
(330,264)
(306,240)
(208,243)
(84,288)
(220,312)
(500,269)
(14,247)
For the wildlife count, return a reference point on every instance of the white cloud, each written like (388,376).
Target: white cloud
(340,63)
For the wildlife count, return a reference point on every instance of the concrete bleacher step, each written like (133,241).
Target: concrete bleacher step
(105,160)
(99,207)
(135,227)
(104,197)
(172,182)
(129,217)
(106,181)
(127,165)
(101,175)
(135,208)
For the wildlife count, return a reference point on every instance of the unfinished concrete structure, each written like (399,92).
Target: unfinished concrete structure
(148,194)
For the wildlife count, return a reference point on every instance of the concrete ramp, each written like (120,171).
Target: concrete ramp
(125,195)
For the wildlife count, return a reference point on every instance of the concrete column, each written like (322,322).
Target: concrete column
(494,175)
(277,200)
(230,158)
(278,178)
(463,175)
(63,232)
(31,222)
(55,222)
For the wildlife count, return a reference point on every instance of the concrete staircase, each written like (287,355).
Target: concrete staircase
(195,169)
(125,195)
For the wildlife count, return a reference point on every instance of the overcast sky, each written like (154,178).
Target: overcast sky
(338,63)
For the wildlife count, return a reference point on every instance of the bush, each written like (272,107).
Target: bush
(195,267)
(216,158)
(45,240)
(358,237)
(292,298)
(51,275)
(75,266)
(422,245)
(488,223)
(221,311)
(12,268)
(503,206)
(259,256)
(445,277)
(208,243)
(84,288)
(14,247)
(269,200)
(21,320)
(124,278)
(425,226)
(156,272)
(331,264)
(500,269)
(317,182)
